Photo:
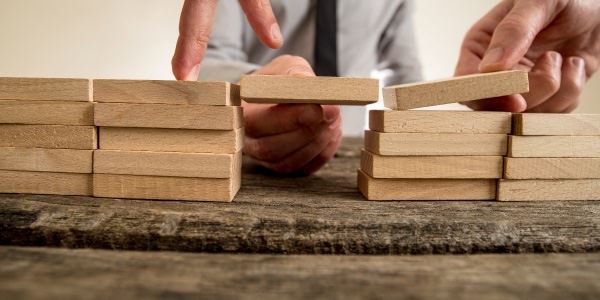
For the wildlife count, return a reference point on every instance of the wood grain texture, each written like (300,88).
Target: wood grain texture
(457,167)
(166,188)
(554,146)
(61,89)
(457,89)
(46,160)
(26,182)
(171,140)
(299,89)
(556,124)
(551,168)
(101,274)
(385,189)
(167,92)
(174,164)
(168,116)
(438,121)
(285,215)
(46,112)
(427,144)
(548,190)
(48,136)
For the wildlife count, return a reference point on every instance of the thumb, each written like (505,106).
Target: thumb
(515,33)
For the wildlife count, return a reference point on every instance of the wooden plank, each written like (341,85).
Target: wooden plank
(46,160)
(426,144)
(425,189)
(61,89)
(411,167)
(46,112)
(171,140)
(457,89)
(543,190)
(48,136)
(301,89)
(551,168)
(554,146)
(168,116)
(166,188)
(175,164)
(167,92)
(556,124)
(25,182)
(438,121)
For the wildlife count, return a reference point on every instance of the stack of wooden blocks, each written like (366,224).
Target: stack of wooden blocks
(168,140)
(47,136)
(438,155)
(552,157)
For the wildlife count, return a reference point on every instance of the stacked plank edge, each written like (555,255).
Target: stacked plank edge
(47,136)
(552,157)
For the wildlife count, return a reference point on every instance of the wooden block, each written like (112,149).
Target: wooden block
(458,167)
(168,116)
(61,89)
(301,89)
(554,146)
(167,92)
(48,136)
(438,121)
(457,89)
(427,144)
(171,140)
(175,164)
(46,112)
(25,182)
(551,168)
(542,190)
(166,188)
(556,124)
(426,189)
(46,160)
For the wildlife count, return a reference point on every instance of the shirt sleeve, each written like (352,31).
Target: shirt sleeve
(398,57)
(225,58)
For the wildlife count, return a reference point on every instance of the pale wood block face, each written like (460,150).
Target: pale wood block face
(61,89)
(168,116)
(427,144)
(166,188)
(320,90)
(545,190)
(457,89)
(554,146)
(46,112)
(48,136)
(556,124)
(167,92)
(431,167)
(437,121)
(551,168)
(25,182)
(175,164)
(46,160)
(426,189)
(171,140)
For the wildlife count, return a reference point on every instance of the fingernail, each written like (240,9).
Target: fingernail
(557,58)
(299,71)
(309,116)
(579,64)
(276,33)
(336,124)
(332,113)
(493,56)
(193,75)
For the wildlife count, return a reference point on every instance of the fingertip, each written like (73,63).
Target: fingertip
(493,60)
(312,114)
(276,36)
(331,112)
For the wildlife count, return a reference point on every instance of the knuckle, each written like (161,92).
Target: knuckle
(550,82)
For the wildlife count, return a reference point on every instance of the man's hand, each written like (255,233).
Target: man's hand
(289,138)
(195,26)
(558,41)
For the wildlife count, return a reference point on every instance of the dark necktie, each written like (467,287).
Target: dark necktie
(326,39)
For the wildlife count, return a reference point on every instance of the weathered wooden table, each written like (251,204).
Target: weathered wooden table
(319,214)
